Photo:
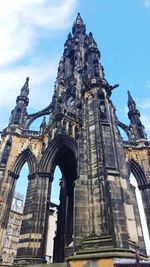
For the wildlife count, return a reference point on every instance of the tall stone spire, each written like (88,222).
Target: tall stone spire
(80,61)
(136,127)
(19,113)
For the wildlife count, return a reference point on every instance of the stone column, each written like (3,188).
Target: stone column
(59,240)
(31,247)
(145,193)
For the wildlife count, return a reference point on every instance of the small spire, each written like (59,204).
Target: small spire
(69,36)
(25,88)
(137,129)
(79,19)
(78,26)
(131,103)
(19,113)
(91,40)
(129,95)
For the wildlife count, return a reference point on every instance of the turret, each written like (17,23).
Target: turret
(136,127)
(19,113)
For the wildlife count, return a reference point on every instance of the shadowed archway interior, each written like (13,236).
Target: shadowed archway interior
(66,161)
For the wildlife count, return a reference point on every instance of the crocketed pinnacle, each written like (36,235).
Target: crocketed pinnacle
(135,122)
(132,107)
(25,88)
(79,19)
(131,103)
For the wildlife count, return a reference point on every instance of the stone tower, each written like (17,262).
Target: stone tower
(98,215)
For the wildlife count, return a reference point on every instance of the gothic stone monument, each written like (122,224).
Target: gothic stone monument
(98,216)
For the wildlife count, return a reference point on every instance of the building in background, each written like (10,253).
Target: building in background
(11,238)
(13,230)
(52,227)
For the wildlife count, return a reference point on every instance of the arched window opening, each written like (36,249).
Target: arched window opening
(133,181)
(62,194)
(22,182)
(53,213)
(55,191)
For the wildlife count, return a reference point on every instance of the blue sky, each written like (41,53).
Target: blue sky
(32,37)
(33,33)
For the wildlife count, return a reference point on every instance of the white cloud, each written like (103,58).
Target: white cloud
(126,110)
(22,19)
(41,84)
(12,81)
(146,122)
(23,24)
(146,3)
(47,16)
(145,104)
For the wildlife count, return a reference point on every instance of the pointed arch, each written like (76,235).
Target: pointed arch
(137,171)
(59,142)
(25,156)
(61,152)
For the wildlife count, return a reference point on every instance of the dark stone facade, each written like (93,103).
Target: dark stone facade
(98,213)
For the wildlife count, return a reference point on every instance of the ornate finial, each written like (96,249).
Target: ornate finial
(79,19)
(132,106)
(25,88)
(69,36)
(91,40)
(78,26)
(129,94)
(131,102)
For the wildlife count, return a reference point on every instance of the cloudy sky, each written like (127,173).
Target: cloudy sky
(32,35)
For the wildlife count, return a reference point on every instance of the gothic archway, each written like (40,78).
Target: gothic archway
(143,186)
(25,156)
(139,174)
(54,147)
(15,199)
(62,153)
